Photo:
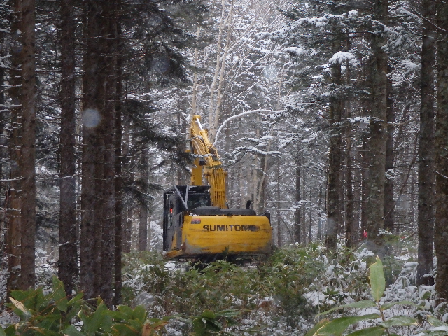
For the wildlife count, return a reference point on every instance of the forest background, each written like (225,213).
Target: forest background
(330,114)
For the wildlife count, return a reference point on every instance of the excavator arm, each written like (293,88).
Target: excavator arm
(207,163)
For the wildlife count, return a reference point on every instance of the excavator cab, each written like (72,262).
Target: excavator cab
(177,200)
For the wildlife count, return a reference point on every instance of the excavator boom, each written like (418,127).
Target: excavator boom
(207,159)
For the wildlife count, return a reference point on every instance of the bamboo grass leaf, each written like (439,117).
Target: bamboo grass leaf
(377,280)
(337,326)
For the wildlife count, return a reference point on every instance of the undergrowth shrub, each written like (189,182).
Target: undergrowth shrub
(53,313)
(377,316)
(281,296)
(283,293)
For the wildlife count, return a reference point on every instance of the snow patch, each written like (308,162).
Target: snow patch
(343,56)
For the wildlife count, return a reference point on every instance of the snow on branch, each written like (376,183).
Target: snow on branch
(342,56)
(242,115)
(257,151)
(295,51)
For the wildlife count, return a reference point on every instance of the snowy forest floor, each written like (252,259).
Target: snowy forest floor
(282,296)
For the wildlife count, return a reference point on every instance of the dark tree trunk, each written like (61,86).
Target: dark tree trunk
(350,228)
(118,171)
(3,139)
(108,134)
(350,231)
(28,93)
(68,253)
(334,181)
(127,208)
(101,215)
(364,157)
(143,218)
(319,215)
(365,175)
(90,230)
(14,195)
(298,198)
(334,209)
(378,128)
(426,177)
(310,223)
(278,215)
(441,141)
(98,193)
(389,203)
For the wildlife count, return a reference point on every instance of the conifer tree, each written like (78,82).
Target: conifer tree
(441,141)
(378,125)
(68,250)
(426,147)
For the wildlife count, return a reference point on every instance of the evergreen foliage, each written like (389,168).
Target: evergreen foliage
(283,296)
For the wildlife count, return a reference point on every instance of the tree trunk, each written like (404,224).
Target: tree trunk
(378,128)
(127,208)
(90,230)
(263,181)
(278,215)
(98,186)
(310,222)
(426,177)
(14,194)
(350,230)
(119,232)
(68,252)
(319,215)
(334,209)
(28,155)
(3,139)
(108,134)
(298,199)
(365,175)
(389,203)
(143,218)
(441,141)
(218,77)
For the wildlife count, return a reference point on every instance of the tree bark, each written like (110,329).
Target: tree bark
(143,218)
(298,199)
(97,250)
(441,141)
(278,215)
(119,232)
(334,209)
(68,251)
(108,134)
(28,155)
(389,203)
(350,230)
(378,128)
(3,139)
(319,215)
(426,177)
(365,175)
(90,229)
(14,194)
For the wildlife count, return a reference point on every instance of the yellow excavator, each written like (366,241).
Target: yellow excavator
(198,225)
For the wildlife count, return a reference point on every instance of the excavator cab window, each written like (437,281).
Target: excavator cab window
(198,199)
